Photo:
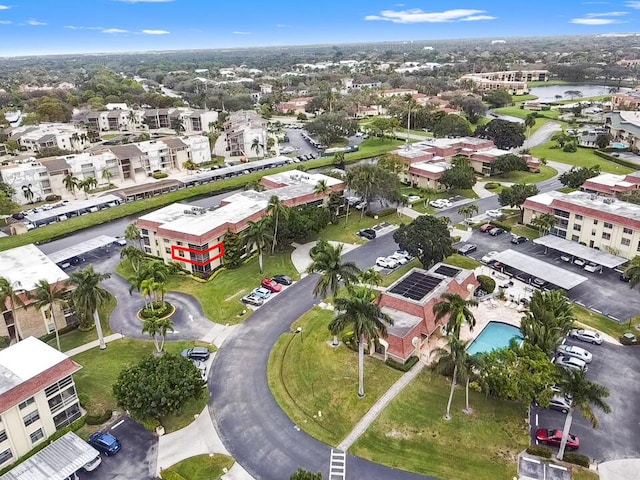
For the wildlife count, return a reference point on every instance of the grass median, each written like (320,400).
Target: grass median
(199,467)
(584,157)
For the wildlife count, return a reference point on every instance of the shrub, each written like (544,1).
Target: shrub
(382,213)
(403,367)
(577,459)
(98,418)
(349,339)
(491,185)
(570,147)
(487,283)
(159,175)
(540,451)
(159,310)
(502,225)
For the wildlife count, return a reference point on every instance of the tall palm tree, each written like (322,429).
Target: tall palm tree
(632,272)
(46,297)
(87,184)
(132,233)
(158,327)
(277,209)
(321,188)
(28,193)
(584,395)
(366,319)
(257,236)
(468,211)
(71,182)
(548,320)
(9,292)
(89,296)
(453,357)
(529,122)
(106,175)
(134,255)
(371,277)
(544,222)
(457,309)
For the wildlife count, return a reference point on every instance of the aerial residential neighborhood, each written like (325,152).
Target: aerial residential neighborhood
(328,242)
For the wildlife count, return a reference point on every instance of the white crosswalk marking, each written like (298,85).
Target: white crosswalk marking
(338,467)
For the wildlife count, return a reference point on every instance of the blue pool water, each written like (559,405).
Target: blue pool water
(495,335)
(619,145)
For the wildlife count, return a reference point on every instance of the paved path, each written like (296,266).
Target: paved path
(94,344)
(377,408)
(542,135)
(301,258)
(625,469)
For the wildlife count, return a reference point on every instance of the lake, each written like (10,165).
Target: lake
(548,94)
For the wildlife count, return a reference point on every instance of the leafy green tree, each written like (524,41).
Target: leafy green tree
(301,474)
(392,164)
(603,140)
(516,195)
(584,396)
(372,182)
(457,310)
(256,146)
(158,386)
(426,238)
(46,297)
(7,206)
(468,211)
(335,203)
(331,127)
(451,126)
(89,296)
(544,222)
(506,135)
(257,236)
(234,248)
(359,313)
(575,177)
(460,176)
(52,109)
(132,233)
(509,163)
(497,98)
(338,160)
(529,122)
(472,107)
(9,293)
(277,209)
(452,359)
(157,329)
(383,126)
(549,318)
(134,255)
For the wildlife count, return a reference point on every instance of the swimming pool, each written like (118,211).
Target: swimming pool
(495,335)
(619,145)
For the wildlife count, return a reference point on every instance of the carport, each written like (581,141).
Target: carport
(80,249)
(582,251)
(128,194)
(537,268)
(73,209)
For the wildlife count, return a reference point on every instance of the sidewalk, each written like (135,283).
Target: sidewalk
(624,469)
(94,344)
(301,258)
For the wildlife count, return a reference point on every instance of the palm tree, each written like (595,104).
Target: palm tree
(457,309)
(371,277)
(276,208)
(548,320)
(71,182)
(544,222)
(321,188)
(134,255)
(453,357)
(468,211)
(147,287)
(366,319)
(158,327)
(46,297)
(89,296)
(632,272)
(584,395)
(106,175)
(9,292)
(178,125)
(75,138)
(87,184)
(256,236)
(529,122)
(256,146)
(132,233)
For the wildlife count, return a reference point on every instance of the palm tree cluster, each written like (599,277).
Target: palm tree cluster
(549,318)
(151,281)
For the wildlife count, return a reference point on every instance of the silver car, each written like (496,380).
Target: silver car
(586,336)
(574,351)
(572,363)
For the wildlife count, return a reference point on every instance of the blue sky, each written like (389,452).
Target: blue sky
(79,26)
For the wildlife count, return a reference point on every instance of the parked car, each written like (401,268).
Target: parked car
(538,282)
(361,206)
(494,232)
(368,233)
(552,436)
(440,203)
(400,259)
(386,262)
(285,150)
(593,267)
(565,258)
(252,300)
(17,216)
(494,213)
(586,336)
(574,351)
(93,464)
(518,239)
(261,292)
(489,256)
(283,279)
(572,363)
(486,227)
(271,285)
(404,253)
(121,241)
(467,248)
(413,198)
(580,262)
(105,442)
(196,353)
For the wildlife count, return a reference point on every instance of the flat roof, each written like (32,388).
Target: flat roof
(57,461)
(81,248)
(28,265)
(72,207)
(532,266)
(147,187)
(575,249)
(14,370)
(403,322)
(220,172)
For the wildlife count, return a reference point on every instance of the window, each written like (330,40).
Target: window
(26,403)
(595,222)
(608,225)
(577,227)
(167,250)
(6,456)
(179,243)
(165,240)
(628,231)
(31,418)
(3,436)
(593,232)
(575,238)
(578,217)
(37,435)
(144,231)
(606,236)
(626,242)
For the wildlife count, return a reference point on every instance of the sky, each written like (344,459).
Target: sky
(36,27)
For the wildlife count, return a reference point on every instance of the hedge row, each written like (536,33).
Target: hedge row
(98,419)
(403,367)
(540,451)
(577,459)
(382,213)
(619,161)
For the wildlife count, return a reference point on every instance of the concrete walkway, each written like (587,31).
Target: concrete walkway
(382,403)
(94,344)
(625,469)
(409,212)
(301,258)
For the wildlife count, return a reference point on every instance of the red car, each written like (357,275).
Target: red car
(554,437)
(271,285)
(486,227)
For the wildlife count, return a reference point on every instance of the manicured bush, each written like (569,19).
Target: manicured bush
(403,367)
(540,451)
(577,459)
(502,225)
(611,158)
(98,418)
(570,147)
(349,339)
(487,283)
(381,213)
(159,310)
(159,175)
(491,185)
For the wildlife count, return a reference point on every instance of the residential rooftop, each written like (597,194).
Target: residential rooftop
(589,201)
(27,265)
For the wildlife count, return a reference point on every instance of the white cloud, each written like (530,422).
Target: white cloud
(476,18)
(36,22)
(607,14)
(114,30)
(594,21)
(283,25)
(156,32)
(419,16)
(633,5)
(5,22)
(241,33)
(144,1)
(4,7)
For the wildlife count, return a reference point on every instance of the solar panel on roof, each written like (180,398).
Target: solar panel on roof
(416,286)
(447,271)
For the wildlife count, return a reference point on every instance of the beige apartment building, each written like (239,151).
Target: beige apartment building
(37,396)
(598,222)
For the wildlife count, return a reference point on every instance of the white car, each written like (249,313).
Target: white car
(92,465)
(413,198)
(121,241)
(580,262)
(586,336)
(489,256)
(399,258)
(494,213)
(386,262)
(574,351)
(593,267)
(440,203)
(570,362)
(287,150)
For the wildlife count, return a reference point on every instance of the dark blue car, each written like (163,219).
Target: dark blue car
(105,443)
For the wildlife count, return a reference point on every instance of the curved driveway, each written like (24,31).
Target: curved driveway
(252,426)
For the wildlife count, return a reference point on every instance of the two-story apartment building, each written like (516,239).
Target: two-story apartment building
(513,81)
(612,184)
(295,105)
(37,396)
(192,121)
(597,222)
(192,236)
(30,180)
(626,100)
(35,138)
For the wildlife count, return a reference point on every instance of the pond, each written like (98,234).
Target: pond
(548,94)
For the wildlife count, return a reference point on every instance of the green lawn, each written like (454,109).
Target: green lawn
(523,98)
(602,323)
(346,232)
(545,173)
(597,98)
(411,434)
(199,467)
(462,261)
(100,370)
(584,157)
(306,376)
(371,147)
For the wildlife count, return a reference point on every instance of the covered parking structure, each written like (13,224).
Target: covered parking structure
(574,249)
(235,170)
(535,268)
(62,212)
(62,257)
(146,190)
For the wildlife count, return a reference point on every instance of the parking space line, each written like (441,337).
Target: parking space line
(117,425)
(536,419)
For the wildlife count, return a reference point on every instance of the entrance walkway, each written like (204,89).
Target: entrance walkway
(94,344)
(301,258)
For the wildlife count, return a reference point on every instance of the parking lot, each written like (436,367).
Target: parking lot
(137,458)
(303,147)
(602,292)
(618,435)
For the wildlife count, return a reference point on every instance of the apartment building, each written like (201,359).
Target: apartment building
(626,100)
(242,129)
(30,180)
(513,81)
(624,127)
(295,105)
(193,236)
(192,121)
(35,138)
(611,184)
(351,84)
(115,119)
(37,396)
(598,222)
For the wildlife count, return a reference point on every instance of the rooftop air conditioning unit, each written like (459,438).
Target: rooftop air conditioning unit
(189,212)
(608,200)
